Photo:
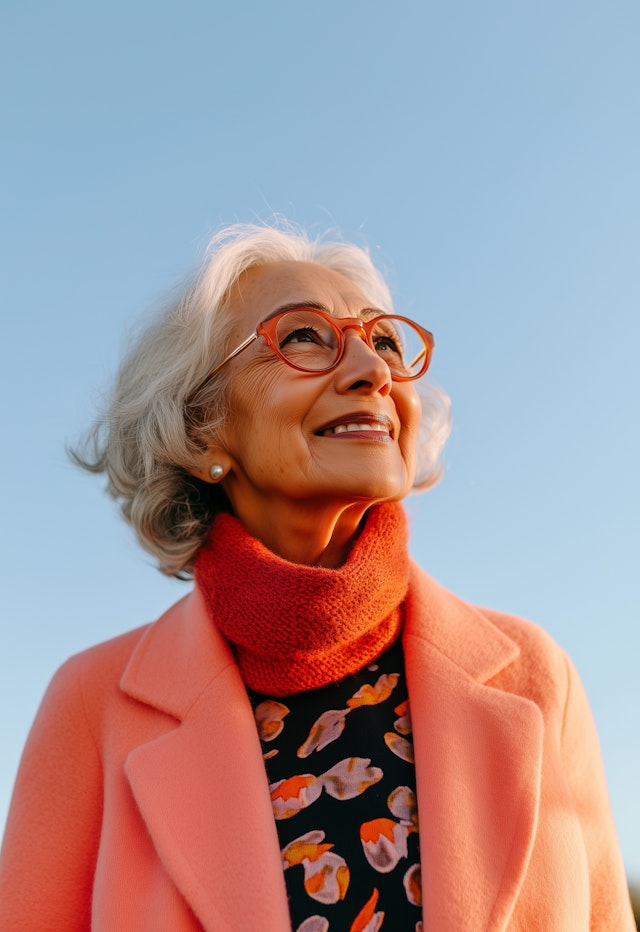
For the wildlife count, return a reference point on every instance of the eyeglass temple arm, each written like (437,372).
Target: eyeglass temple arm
(238,349)
(420,355)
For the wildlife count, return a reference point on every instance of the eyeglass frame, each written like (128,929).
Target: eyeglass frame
(267,329)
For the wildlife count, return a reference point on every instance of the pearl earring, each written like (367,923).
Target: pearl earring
(216,472)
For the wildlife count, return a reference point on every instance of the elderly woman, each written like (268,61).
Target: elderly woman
(318,737)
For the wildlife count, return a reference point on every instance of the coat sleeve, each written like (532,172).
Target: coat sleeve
(610,904)
(49,850)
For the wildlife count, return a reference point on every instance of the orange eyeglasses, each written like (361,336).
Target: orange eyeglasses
(310,340)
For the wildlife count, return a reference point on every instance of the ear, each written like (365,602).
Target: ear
(212,465)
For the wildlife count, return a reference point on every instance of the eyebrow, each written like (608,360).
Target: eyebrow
(366,313)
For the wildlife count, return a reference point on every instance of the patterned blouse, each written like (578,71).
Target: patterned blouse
(340,766)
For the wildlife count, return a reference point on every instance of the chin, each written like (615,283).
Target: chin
(366,481)
(377,490)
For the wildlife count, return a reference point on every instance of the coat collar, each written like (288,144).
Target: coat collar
(201,787)
(202,791)
(478,762)
(177,658)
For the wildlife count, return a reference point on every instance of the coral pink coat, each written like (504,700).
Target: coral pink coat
(142,806)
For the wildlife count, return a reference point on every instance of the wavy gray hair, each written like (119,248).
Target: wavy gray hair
(162,403)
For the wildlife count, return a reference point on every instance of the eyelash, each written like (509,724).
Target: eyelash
(299,330)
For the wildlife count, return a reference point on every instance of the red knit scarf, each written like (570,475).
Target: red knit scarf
(296,627)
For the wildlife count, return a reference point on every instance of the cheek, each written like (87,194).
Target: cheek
(251,402)
(266,408)
(409,408)
(256,381)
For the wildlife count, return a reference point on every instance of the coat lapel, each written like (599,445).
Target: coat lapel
(478,762)
(201,787)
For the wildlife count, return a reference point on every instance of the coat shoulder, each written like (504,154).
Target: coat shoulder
(528,661)
(106,658)
(543,667)
(107,661)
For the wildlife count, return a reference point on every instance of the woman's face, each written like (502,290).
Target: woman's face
(281,444)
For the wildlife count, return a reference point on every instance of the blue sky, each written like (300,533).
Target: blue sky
(488,155)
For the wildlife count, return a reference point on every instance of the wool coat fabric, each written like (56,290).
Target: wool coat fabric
(142,805)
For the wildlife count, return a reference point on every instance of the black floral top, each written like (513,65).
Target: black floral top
(340,766)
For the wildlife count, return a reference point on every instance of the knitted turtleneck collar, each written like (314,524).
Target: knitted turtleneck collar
(298,627)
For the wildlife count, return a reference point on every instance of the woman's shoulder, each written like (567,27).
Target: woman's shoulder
(165,664)
(533,663)
(531,637)
(85,686)
(110,657)
(542,670)
(439,600)
(102,661)
(97,670)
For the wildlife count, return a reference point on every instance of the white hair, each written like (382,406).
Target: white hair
(149,438)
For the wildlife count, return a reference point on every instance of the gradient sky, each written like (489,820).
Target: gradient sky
(487,153)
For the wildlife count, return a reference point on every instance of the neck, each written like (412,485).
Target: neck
(313,534)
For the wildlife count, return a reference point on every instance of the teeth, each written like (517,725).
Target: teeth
(343,428)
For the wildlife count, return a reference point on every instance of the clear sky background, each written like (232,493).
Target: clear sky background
(489,155)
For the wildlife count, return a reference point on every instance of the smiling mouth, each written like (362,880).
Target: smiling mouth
(368,425)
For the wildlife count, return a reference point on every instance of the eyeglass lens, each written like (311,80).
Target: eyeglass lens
(307,340)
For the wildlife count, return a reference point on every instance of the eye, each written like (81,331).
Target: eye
(301,335)
(387,344)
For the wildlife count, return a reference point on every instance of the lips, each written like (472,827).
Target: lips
(357,423)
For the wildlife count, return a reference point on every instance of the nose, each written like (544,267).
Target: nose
(361,369)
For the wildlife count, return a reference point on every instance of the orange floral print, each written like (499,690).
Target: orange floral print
(384,842)
(324,730)
(321,879)
(326,875)
(350,777)
(368,920)
(412,881)
(400,746)
(403,724)
(269,715)
(345,780)
(289,796)
(403,804)
(314,924)
(372,695)
(330,725)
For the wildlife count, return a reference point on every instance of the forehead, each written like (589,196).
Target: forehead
(262,290)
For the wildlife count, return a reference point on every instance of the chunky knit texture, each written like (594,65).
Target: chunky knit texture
(297,627)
